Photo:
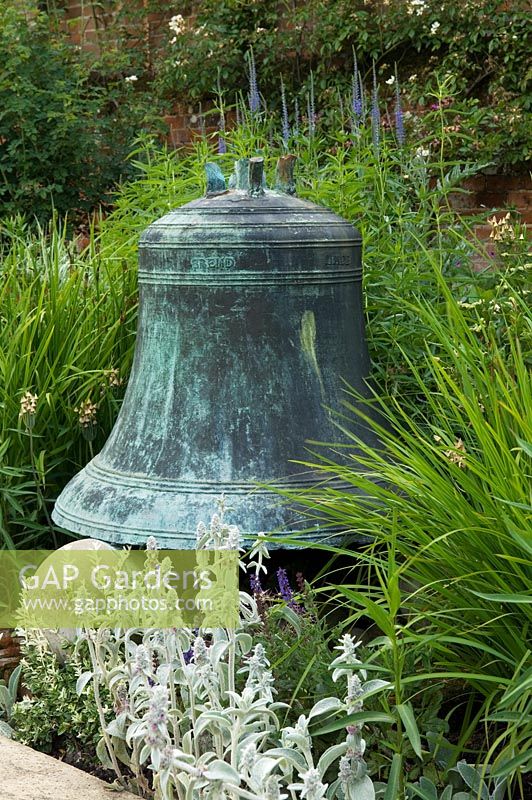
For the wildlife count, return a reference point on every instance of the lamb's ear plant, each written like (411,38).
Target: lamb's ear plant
(466,782)
(8,697)
(196,712)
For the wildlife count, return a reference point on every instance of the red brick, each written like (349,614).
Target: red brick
(483,231)
(9,652)
(520,199)
(463,201)
(493,199)
(476,184)
(509,182)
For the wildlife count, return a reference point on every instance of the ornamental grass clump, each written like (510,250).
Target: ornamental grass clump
(67,321)
(445,503)
(197,715)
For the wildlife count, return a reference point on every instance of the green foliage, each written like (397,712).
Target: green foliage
(298,643)
(63,136)
(51,711)
(66,337)
(446,579)
(481,45)
(449,496)
(468,783)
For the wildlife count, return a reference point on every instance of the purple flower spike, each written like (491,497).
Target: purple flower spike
(222,146)
(362,96)
(285,591)
(254,582)
(253,95)
(356,99)
(375,112)
(399,122)
(284,586)
(311,109)
(296,117)
(285,123)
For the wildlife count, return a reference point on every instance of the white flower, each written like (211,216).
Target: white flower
(157,718)
(248,758)
(143,660)
(231,536)
(200,652)
(271,789)
(260,30)
(297,736)
(391,80)
(415,5)
(258,661)
(354,692)
(422,152)
(313,788)
(434,27)
(177,24)
(348,648)
(131,79)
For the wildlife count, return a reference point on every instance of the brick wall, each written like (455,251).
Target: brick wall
(9,652)
(494,195)
(81,24)
(487,192)
(87,23)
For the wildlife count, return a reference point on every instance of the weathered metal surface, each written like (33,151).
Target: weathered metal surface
(250,320)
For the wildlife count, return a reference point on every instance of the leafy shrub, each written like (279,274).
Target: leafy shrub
(52,712)
(480,45)
(63,137)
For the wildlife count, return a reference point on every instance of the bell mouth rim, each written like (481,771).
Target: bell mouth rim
(187,539)
(176,513)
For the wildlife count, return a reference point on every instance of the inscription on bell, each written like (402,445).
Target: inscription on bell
(338,261)
(212,262)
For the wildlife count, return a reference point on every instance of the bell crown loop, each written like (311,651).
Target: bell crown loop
(256,176)
(285,174)
(248,176)
(215,179)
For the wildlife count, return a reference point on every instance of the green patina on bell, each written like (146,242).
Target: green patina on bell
(250,323)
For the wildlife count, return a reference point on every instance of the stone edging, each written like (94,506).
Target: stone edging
(26,774)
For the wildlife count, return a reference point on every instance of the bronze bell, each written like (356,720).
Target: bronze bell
(250,323)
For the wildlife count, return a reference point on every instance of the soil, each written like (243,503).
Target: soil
(85,762)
